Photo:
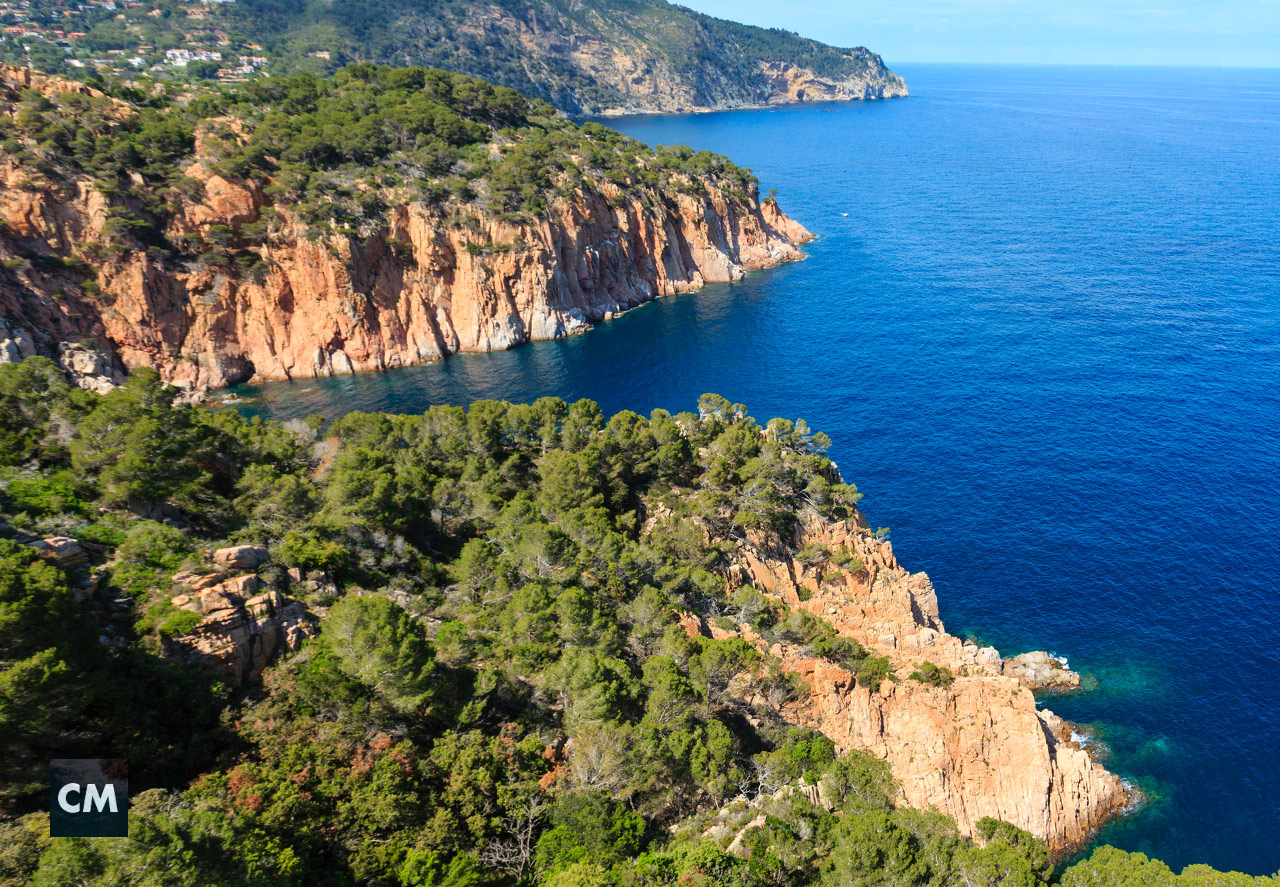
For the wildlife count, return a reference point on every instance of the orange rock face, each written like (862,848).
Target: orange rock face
(240,631)
(978,747)
(429,282)
(14,79)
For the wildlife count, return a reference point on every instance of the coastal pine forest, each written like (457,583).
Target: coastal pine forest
(338,151)
(490,682)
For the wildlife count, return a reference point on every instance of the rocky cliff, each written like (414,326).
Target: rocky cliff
(427,280)
(976,747)
(244,622)
(614,65)
(587,57)
(14,79)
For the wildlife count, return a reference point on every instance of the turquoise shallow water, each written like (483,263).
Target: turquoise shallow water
(1046,342)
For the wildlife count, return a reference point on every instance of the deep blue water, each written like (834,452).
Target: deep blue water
(1045,340)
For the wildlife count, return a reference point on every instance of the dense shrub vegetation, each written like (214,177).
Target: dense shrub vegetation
(500,692)
(337,152)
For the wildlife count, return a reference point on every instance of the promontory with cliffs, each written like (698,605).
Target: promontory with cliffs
(510,644)
(302,226)
(584,57)
(500,645)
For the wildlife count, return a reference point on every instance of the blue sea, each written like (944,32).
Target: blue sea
(1041,324)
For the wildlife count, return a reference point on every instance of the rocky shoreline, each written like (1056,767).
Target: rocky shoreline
(346,306)
(783,83)
(426,280)
(974,746)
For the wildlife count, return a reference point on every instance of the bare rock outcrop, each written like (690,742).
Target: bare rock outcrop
(243,626)
(14,80)
(977,747)
(89,366)
(16,344)
(1039,670)
(66,552)
(242,557)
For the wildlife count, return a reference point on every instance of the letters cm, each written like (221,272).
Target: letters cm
(96,798)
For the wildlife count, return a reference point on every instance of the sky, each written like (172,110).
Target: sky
(1233,33)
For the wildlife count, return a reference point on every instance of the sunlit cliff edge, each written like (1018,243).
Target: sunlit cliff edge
(976,747)
(428,280)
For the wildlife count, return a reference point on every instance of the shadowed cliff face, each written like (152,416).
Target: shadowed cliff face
(433,280)
(611,63)
(974,748)
(585,58)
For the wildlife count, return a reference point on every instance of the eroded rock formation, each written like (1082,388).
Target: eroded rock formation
(426,281)
(244,625)
(789,83)
(976,747)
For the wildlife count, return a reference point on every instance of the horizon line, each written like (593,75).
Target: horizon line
(1010,64)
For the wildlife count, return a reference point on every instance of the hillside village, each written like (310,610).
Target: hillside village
(126,38)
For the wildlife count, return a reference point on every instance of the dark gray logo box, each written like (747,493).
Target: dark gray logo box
(89,798)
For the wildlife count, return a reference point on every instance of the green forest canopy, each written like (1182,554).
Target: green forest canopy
(499,693)
(339,152)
